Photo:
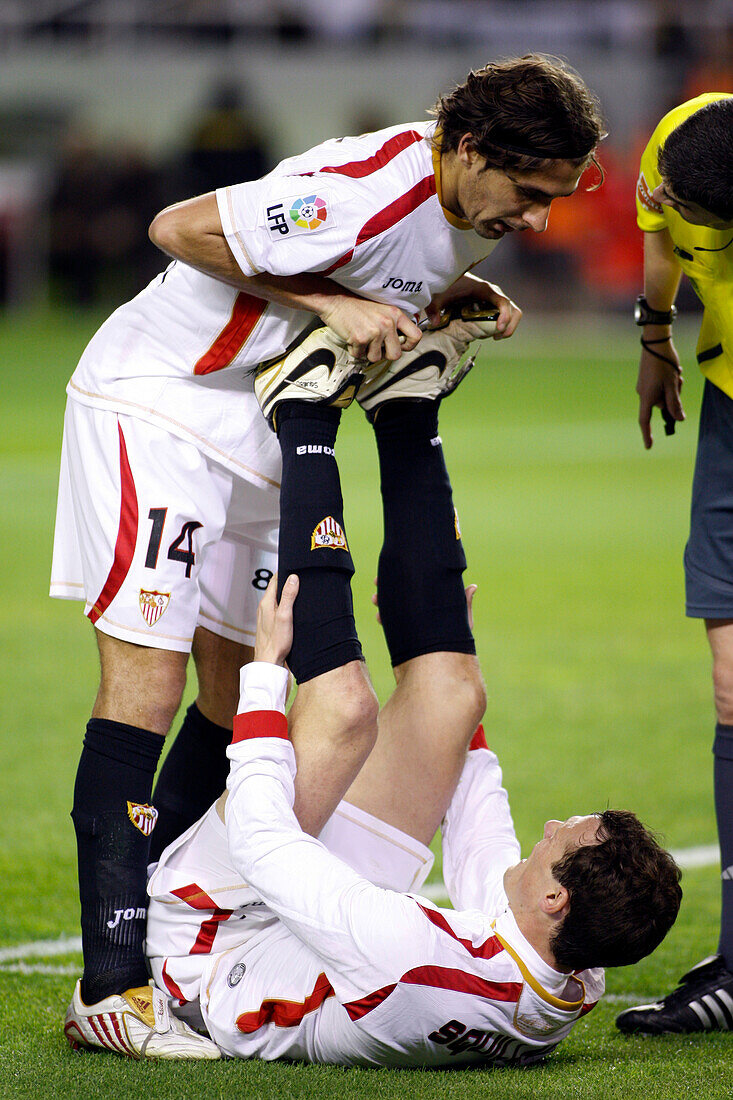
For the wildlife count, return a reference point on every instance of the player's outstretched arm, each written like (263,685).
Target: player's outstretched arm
(192,232)
(659,383)
(471,287)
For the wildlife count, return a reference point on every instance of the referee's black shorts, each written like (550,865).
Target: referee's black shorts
(709,550)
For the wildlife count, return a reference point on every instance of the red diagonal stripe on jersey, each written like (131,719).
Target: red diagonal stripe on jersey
(197,898)
(207,932)
(486,950)
(259,723)
(478,741)
(194,896)
(388,217)
(439,977)
(286,1013)
(357,169)
(126,535)
(246,312)
(357,1009)
(445,977)
(172,987)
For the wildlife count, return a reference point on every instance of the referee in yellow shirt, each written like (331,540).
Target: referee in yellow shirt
(685,208)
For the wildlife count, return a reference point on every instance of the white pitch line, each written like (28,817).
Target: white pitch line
(65,945)
(703,856)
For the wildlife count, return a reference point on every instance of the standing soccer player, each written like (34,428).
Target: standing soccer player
(685,207)
(168,501)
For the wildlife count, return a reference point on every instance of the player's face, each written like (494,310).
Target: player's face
(498,202)
(690,211)
(559,837)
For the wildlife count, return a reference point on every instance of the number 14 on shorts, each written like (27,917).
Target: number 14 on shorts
(177,551)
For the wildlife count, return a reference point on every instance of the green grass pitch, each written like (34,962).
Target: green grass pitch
(598,691)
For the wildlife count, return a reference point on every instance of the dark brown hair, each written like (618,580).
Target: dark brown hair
(522,112)
(624,896)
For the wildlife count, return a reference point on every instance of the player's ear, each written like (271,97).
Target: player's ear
(555,900)
(466,150)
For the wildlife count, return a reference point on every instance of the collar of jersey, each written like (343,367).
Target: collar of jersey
(457,223)
(553,977)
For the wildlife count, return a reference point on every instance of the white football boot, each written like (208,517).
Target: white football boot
(319,370)
(136,1023)
(433,369)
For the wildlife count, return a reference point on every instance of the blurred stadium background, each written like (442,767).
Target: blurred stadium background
(111,109)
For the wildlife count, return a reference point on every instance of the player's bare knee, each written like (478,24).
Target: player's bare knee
(356,705)
(467,694)
(346,705)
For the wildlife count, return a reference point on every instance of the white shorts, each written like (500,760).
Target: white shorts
(155,537)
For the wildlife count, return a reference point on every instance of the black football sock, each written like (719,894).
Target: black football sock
(313,541)
(723,786)
(113,820)
(422,603)
(193,775)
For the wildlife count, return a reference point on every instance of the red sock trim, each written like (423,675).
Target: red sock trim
(478,741)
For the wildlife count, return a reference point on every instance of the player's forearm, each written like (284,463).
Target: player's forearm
(191,232)
(662,272)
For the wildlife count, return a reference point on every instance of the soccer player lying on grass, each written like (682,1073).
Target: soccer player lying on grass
(286,947)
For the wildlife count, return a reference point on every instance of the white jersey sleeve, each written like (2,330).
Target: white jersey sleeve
(357,929)
(287,224)
(479,842)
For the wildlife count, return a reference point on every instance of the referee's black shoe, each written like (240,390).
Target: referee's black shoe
(703,1001)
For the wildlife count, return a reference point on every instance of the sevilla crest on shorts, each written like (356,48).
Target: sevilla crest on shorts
(329,534)
(142,816)
(153,604)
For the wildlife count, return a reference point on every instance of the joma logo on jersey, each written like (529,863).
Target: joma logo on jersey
(142,816)
(408,285)
(328,535)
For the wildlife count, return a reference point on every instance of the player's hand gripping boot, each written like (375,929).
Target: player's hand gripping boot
(136,1023)
(433,369)
(320,370)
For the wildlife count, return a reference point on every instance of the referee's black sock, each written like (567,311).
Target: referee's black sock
(723,787)
(313,541)
(422,602)
(193,775)
(113,820)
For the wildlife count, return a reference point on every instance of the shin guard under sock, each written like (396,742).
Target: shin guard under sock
(422,603)
(193,775)
(313,541)
(723,787)
(113,821)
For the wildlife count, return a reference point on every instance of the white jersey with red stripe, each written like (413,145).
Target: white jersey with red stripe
(365,211)
(311,961)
